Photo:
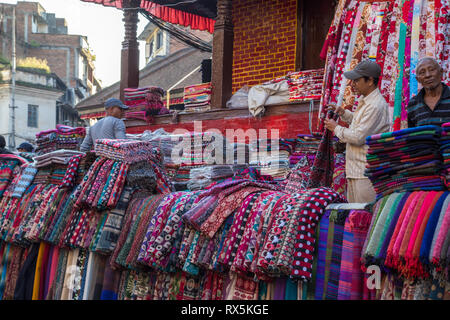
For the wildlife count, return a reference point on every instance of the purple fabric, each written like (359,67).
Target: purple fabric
(280,288)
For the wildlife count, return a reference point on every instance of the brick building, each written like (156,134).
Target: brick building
(42,35)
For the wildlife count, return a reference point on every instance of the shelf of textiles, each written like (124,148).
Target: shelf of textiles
(367,29)
(197,98)
(408,160)
(63,137)
(305,85)
(144,102)
(408,239)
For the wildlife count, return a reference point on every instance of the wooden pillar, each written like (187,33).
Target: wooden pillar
(129,70)
(222,57)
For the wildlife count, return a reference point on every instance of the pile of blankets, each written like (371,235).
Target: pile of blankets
(128,151)
(144,102)
(63,137)
(405,160)
(409,234)
(197,97)
(445,151)
(305,85)
(9,168)
(202,177)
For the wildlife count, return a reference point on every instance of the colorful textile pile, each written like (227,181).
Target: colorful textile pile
(305,85)
(409,233)
(396,34)
(9,167)
(197,97)
(342,231)
(63,137)
(445,151)
(405,160)
(202,177)
(61,156)
(271,157)
(128,151)
(144,102)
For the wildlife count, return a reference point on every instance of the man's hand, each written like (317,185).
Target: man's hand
(337,109)
(330,124)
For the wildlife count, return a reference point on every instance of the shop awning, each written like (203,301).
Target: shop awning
(198,15)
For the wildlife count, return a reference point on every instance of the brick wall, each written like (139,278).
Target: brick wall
(264,40)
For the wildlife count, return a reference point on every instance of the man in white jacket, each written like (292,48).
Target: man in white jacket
(370,117)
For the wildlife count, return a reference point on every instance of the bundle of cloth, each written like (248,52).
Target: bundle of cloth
(306,145)
(202,177)
(127,151)
(144,102)
(271,157)
(405,160)
(10,165)
(445,152)
(342,232)
(305,85)
(61,156)
(197,97)
(63,137)
(409,235)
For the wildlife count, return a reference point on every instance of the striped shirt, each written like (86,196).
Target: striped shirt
(370,117)
(419,114)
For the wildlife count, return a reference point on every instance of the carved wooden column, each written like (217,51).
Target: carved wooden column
(129,71)
(222,57)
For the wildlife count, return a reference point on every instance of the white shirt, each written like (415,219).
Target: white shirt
(370,117)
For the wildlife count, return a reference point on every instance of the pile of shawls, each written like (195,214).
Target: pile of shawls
(63,137)
(305,85)
(396,34)
(271,157)
(445,151)
(342,232)
(197,97)
(9,167)
(144,102)
(409,233)
(405,160)
(200,178)
(61,156)
(128,151)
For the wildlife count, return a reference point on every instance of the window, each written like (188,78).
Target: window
(159,40)
(32,116)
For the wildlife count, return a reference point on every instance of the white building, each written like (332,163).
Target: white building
(37,104)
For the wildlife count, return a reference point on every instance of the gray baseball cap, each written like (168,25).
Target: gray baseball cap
(366,68)
(113,102)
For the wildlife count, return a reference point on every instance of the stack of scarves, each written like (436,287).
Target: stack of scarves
(445,151)
(63,137)
(405,160)
(144,102)
(305,85)
(197,97)
(409,233)
(395,34)
(56,157)
(8,164)
(271,157)
(202,177)
(127,151)
(342,232)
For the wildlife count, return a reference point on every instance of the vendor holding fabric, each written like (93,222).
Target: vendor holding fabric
(370,117)
(431,106)
(110,127)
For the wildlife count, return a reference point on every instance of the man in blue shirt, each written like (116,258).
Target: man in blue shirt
(432,104)
(110,127)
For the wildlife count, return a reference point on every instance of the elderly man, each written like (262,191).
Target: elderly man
(110,127)
(432,104)
(370,117)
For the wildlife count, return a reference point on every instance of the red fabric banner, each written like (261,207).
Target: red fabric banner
(195,22)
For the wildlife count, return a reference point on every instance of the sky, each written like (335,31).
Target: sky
(87,19)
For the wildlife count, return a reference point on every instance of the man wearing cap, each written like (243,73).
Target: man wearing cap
(370,117)
(25,147)
(110,127)
(432,104)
